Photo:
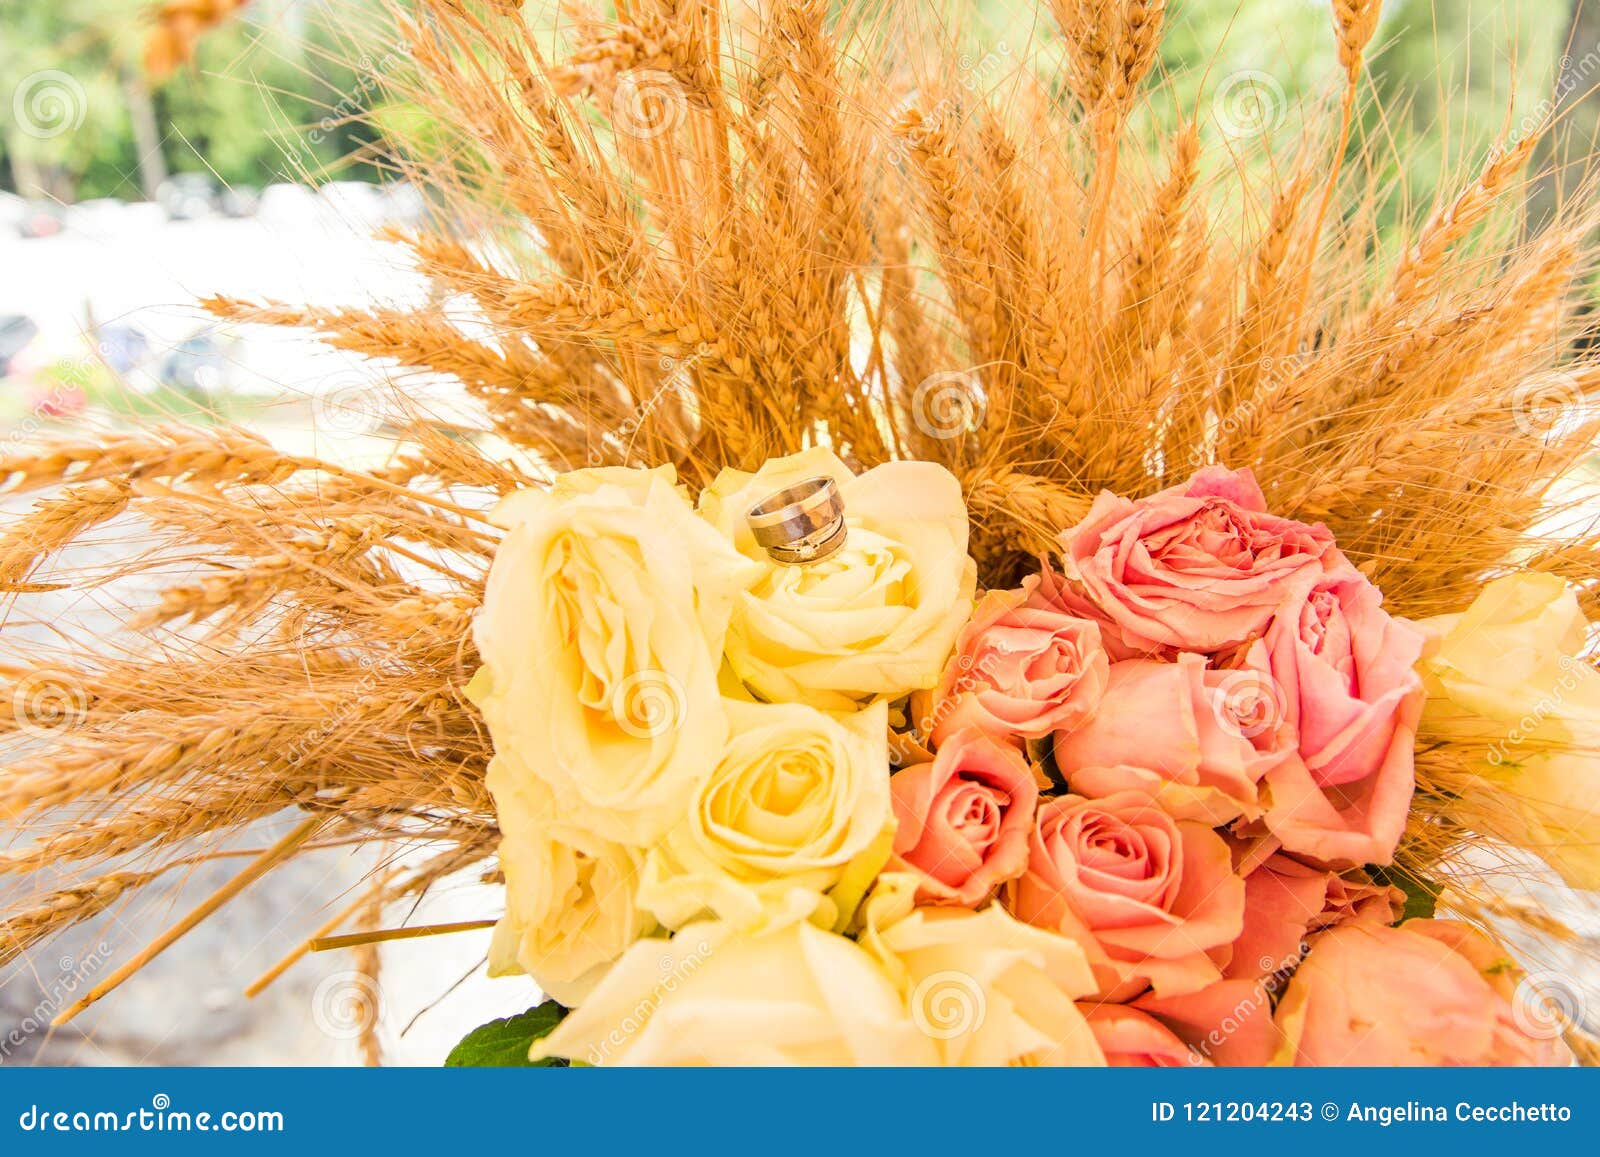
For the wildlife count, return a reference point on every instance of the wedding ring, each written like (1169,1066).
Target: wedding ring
(800,523)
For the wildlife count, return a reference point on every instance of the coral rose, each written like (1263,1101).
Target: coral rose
(962,821)
(1346,670)
(1020,671)
(1132,1040)
(1052,592)
(1430,992)
(1150,898)
(1197,739)
(1199,567)
(1285,901)
(1227,1023)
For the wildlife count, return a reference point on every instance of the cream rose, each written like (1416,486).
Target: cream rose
(570,907)
(987,989)
(797,795)
(875,620)
(601,631)
(1507,677)
(793,995)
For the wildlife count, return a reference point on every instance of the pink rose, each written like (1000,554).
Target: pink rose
(1130,1039)
(1150,898)
(1346,670)
(1020,671)
(1430,992)
(1197,739)
(1200,567)
(1228,1023)
(1053,593)
(962,821)
(1285,901)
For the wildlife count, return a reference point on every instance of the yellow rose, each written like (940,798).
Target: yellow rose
(875,620)
(1506,675)
(988,989)
(797,795)
(601,634)
(794,995)
(570,907)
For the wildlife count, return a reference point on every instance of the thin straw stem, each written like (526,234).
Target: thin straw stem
(329,943)
(268,860)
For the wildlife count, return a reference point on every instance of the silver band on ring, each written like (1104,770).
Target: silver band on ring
(801,523)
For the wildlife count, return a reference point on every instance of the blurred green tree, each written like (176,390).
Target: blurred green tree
(272,95)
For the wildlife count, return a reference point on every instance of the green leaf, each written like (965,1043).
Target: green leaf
(504,1044)
(1421,895)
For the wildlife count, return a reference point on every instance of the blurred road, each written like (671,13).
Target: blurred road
(128,265)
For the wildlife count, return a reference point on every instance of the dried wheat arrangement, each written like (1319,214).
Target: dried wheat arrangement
(705,234)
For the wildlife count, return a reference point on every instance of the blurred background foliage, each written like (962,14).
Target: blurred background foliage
(266,98)
(274,91)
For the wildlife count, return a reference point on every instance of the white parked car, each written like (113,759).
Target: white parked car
(356,203)
(289,204)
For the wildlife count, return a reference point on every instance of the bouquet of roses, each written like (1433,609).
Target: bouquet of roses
(767,801)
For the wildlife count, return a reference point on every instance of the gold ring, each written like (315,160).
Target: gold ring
(801,523)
